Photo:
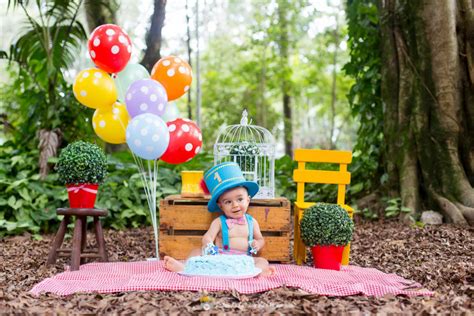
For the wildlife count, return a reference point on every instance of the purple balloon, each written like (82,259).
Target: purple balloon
(146,96)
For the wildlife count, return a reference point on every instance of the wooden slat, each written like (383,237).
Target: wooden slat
(179,247)
(321,176)
(180,200)
(197,217)
(328,156)
(304,205)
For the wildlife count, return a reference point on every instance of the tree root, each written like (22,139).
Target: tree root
(450,209)
(467,212)
(467,196)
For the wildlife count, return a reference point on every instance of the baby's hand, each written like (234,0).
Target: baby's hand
(210,249)
(254,247)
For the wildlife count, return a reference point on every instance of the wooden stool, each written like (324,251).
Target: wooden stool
(78,253)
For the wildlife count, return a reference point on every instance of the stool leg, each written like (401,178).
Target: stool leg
(76,244)
(99,235)
(84,238)
(58,241)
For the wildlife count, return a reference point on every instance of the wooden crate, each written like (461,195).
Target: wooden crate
(183,222)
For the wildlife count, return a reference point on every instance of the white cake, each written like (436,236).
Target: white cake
(221,265)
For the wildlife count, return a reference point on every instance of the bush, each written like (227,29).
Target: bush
(326,224)
(82,162)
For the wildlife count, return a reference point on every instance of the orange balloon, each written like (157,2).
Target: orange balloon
(174,74)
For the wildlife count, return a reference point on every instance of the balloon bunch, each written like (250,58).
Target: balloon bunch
(133,107)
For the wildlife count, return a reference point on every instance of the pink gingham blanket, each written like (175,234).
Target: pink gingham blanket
(151,276)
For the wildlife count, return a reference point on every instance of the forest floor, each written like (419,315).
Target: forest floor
(438,257)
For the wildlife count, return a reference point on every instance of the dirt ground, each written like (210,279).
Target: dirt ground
(439,257)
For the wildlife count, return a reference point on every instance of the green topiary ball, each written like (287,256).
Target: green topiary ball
(82,162)
(326,224)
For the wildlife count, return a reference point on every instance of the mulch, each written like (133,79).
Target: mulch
(439,257)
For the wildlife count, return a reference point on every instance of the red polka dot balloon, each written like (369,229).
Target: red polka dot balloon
(185,141)
(110,48)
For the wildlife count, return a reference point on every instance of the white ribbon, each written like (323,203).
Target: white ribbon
(81,187)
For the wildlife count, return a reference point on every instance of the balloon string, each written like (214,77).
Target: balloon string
(149,185)
(149,182)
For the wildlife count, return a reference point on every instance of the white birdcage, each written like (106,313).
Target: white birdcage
(253,149)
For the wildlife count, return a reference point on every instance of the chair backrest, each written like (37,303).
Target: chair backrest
(302,176)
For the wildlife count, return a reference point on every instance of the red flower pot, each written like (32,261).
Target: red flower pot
(82,195)
(327,257)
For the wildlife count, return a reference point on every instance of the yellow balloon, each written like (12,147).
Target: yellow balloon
(94,88)
(110,124)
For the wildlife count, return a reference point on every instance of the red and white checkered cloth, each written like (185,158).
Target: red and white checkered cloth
(151,276)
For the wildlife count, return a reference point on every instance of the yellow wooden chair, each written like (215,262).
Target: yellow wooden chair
(302,176)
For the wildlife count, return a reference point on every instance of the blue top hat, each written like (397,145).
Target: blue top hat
(225,176)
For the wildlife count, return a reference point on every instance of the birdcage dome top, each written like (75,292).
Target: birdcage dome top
(245,132)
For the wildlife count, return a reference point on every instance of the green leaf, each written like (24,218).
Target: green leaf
(12,201)
(15,184)
(25,195)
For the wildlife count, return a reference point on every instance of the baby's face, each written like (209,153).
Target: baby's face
(234,203)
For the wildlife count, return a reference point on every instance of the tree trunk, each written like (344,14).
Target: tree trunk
(261,106)
(332,120)
(49,142)
(190,53)
(283,43)
(428,97)
(100,12)
(153,37)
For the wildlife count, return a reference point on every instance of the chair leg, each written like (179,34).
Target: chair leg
(84,238)
(299,250)
(345,255)
(347,249)
(301,246)
(296,236)
(99,235)
(58,241)
(76,244)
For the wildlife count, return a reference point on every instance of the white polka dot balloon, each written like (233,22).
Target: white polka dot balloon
(185,141)
(148,136)
(110,48)
(146,96)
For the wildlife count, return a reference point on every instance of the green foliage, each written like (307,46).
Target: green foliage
(82,162)
(365,95)
(326,224)
(245,154)
(284,185)
(395,208)
(26,202)
(29,204)
(367,213)
(37,95)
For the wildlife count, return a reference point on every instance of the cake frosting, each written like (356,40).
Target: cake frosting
(220,265)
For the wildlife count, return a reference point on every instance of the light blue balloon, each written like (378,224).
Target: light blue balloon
(148,136)
(126,77)
(171,112)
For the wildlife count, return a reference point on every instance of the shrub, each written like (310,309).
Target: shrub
(326,224)
(82,162)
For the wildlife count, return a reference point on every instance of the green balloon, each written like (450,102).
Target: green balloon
(171,112)
(129,75)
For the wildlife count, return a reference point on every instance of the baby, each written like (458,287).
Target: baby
(234,232)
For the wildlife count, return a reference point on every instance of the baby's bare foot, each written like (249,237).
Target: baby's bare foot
(269,271)
(173,265)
